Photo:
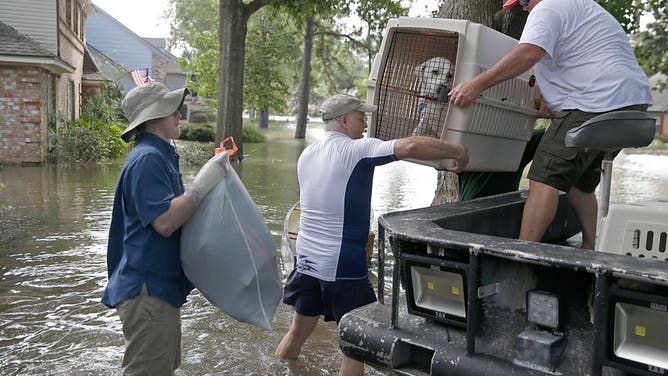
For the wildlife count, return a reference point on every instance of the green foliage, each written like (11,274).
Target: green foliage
(651,44)
(89,140)
(627,12)
(202,133)
(95,135)
(273,42)
(199,117)
(336,66)
(193,153)
(375,14)
(106,104)
(252,135)
(206,133)
(272,52)
(189,20)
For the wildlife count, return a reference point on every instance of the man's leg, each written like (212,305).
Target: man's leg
(351,367)
(539,210)
(300,329)
(586,209)
(152,331)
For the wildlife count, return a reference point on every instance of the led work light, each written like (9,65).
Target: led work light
(437,291)
(641,333)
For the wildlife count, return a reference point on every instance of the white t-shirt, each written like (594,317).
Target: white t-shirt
(589,64)
(335,182)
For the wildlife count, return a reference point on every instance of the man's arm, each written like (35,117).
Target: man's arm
(429,148)
(182,207)
(515,62)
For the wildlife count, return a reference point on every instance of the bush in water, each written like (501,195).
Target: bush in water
(201,133)
(88,140)
(95,135)
(252,135)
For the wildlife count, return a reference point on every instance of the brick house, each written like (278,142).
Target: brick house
(43,59)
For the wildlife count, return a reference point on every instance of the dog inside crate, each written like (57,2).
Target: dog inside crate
(414,84)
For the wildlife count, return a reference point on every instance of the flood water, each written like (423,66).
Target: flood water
(53,234)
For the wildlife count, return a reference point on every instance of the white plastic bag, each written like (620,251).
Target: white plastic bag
(228,253)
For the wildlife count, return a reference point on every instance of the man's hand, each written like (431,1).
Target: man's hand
(208,176)
(461,160)
(542,107)
(464,94)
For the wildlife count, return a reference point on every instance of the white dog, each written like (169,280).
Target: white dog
(434,82)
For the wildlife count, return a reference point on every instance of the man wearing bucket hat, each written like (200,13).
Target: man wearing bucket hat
(584,66)
(146,283)
(335,175)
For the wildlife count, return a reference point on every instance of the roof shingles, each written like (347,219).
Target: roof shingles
(14,43)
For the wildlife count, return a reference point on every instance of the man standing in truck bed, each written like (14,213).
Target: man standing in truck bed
(584,66)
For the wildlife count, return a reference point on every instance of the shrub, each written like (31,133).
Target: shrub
(252,135)
(201,133)
(88,140)
(199,117)
(94,136)
(207,133)
(194,153)
(106,104)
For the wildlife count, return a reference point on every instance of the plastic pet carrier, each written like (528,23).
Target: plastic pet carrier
(419,62)
(636,229)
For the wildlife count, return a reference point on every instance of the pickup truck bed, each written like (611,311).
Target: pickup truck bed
(460,291)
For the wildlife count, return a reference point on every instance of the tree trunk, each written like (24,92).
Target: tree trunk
(232,29)
(264,117)
(305,86)
(486,12)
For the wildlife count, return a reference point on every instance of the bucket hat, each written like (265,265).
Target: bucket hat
(341,104)
(151,100)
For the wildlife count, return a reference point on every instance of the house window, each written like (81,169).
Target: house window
(70,101)
(68,12)
(75,20)
(81,100)
(81,25)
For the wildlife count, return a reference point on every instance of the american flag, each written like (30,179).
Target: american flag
(137,77)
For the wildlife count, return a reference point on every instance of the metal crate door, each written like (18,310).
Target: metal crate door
(403,82)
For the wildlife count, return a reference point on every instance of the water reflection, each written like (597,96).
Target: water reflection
(53,233)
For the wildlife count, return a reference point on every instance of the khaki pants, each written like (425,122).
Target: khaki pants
(152,331)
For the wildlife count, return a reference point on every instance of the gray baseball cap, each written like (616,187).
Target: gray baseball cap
(341,104)
(149,101)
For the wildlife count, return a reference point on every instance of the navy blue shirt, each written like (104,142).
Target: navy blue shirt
(136,253)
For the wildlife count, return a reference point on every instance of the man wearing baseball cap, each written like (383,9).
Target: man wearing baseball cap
(335,175)
(147,285)
(584,66)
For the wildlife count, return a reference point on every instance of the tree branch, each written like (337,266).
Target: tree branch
(347,36)
(252,7)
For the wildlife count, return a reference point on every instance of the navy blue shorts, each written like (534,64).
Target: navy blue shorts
(313,297)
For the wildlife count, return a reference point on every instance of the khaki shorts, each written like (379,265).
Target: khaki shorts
(152,331)
(561,167)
